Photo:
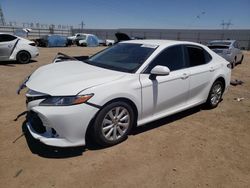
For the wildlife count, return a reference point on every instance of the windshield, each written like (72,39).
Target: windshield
(123,57)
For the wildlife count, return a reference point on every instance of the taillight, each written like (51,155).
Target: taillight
(32,44)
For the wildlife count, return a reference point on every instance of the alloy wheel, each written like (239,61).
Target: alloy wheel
(216,94)
(116,123)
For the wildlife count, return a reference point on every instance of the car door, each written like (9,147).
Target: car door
(7,44)
(201,70)
(165,94)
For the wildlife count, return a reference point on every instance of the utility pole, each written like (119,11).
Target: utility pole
(82,25)
(226,25)
(223,24)
(2,21)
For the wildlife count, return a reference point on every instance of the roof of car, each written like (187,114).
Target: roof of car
(159,42)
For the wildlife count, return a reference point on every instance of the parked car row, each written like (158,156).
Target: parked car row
(84,39)
(22,50)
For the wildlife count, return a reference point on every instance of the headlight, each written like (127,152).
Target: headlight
(66,100)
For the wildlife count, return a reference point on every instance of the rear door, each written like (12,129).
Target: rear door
(201,70)
(7,45)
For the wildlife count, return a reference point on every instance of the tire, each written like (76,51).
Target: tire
(215,94)
(233,64)
(23,57)
(241,59)
(113,124)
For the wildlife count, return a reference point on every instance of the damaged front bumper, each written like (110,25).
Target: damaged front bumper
(61,126)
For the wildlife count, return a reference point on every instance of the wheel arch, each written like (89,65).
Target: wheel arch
(89,130)
(222,79)
(129,101)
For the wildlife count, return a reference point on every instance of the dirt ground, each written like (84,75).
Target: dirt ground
(195,148)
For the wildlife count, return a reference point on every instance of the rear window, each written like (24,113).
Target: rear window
(220,43)
(218,47)
(197,56)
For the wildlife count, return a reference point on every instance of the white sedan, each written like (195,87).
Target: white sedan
(228,49)
(129,84)
(14,48)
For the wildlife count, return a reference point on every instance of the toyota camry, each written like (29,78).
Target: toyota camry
(129,84)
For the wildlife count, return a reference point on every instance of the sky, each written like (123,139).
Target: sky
(114,14)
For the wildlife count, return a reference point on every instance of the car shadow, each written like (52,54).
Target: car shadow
(14,63)
(38,148)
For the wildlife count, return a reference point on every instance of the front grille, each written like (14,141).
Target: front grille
(36,122)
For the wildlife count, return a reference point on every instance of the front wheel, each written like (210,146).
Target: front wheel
(215,94)
(113,123)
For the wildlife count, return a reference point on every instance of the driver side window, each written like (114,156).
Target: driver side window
(171,57)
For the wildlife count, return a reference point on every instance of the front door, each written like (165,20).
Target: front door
(165,94)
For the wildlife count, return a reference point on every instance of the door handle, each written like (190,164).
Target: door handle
(211,69)
(184,76)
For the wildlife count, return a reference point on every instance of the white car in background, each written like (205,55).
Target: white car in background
(14,48)
(228,49)
(109,42)
(129,84)
(89,40)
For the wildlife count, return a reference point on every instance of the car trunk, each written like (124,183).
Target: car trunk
(219,48)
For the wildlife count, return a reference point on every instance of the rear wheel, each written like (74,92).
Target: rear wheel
(215,94)
(113,123)
(23,57)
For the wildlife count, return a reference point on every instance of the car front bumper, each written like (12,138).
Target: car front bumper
(61,126)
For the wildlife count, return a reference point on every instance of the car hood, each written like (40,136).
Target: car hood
(69,78)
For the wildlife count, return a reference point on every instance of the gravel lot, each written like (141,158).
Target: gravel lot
(195,148)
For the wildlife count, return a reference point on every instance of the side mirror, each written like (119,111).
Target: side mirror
(159,71)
